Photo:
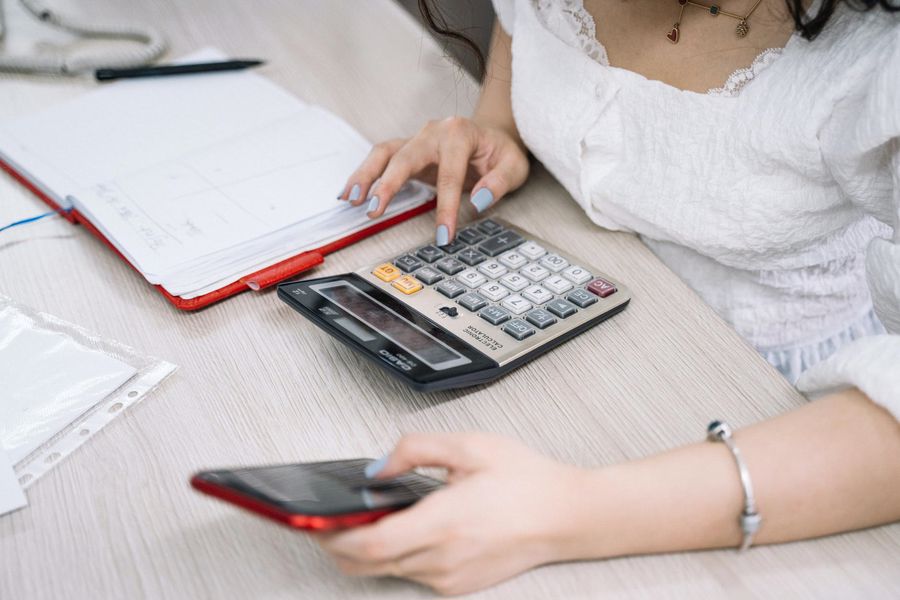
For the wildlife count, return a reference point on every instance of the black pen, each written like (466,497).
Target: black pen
(161,70)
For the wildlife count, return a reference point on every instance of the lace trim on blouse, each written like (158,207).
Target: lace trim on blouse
(569,20)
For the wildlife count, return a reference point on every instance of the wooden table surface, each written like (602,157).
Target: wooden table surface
(258,384)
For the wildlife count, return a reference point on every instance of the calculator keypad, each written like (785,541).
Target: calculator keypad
(471,278)
(472,301)
(408,263)
(510,282)
(407,284)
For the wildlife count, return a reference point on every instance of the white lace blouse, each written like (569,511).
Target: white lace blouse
(776,197)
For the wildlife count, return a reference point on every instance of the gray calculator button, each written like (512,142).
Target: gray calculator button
(472,301)
(503,241)
(408,263)
(449,265)
(561,308)
(494,315)
(451,288)
(581,298)
(519,329)
(453,247)
(471,257)
(428,276)
(470,235)
(540,318)
(489,227)
(429,253)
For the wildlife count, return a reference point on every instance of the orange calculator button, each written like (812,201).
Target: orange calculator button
(386,272)
(407,284)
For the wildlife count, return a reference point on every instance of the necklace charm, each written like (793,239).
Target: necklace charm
(673,34)
(743,28)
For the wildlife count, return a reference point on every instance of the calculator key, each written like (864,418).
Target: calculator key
(519,329)
(471,257)
(429,253)
(581,298)
(428,276)
(386,272)
(407,284)
(557,284)
(489,227)
(516,304)
(472,301)
(493,291)
(531,251)
(540,318)
(453,247)
(561,308)
(495,315)
(601,287)
(514,282)
(493,269)
(470,235)
(408,263)
(450,265)
(451,288)
(535,272)
(576,274)
(537,294)
(554,262)
(513,260)
(506,240)
(471,278)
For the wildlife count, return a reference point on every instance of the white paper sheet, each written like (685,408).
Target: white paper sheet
(11,495)
(47,380)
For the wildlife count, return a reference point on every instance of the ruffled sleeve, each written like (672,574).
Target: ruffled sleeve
(506,14)
(861,145)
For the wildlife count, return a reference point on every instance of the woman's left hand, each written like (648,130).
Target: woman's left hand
(504,510)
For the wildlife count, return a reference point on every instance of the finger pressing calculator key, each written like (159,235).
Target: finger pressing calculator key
(463,313)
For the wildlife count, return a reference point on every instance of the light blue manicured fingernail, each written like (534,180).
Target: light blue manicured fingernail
(482,199)
(354,192)
(373,204)
(442,236)
(376,466)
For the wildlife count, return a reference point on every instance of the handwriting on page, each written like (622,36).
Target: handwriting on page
(229,194)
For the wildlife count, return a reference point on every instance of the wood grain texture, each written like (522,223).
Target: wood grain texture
(257,384)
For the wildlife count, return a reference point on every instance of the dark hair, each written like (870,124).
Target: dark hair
(808,28)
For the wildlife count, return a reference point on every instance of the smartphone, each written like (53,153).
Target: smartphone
(320,496)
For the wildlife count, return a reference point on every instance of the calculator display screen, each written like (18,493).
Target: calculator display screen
(392,326)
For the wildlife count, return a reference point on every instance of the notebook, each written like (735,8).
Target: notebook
(207,184)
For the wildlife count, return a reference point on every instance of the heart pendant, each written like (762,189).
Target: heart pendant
(673,34)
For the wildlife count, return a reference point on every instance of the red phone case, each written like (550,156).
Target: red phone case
(297,521)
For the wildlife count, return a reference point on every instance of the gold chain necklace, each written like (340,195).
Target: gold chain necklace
(743,27)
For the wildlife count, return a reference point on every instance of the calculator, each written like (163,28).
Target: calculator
(465,313)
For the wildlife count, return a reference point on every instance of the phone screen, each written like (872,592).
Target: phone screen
(324,488)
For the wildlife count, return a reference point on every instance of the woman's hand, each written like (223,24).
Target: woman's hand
(505,509)
(454,154)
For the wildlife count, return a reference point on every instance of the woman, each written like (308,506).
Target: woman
(774,192)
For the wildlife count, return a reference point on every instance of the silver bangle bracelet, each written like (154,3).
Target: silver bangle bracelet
(750,520)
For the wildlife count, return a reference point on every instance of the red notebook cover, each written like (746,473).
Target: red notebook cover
(290,267)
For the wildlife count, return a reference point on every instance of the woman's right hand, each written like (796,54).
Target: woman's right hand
(454,154)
